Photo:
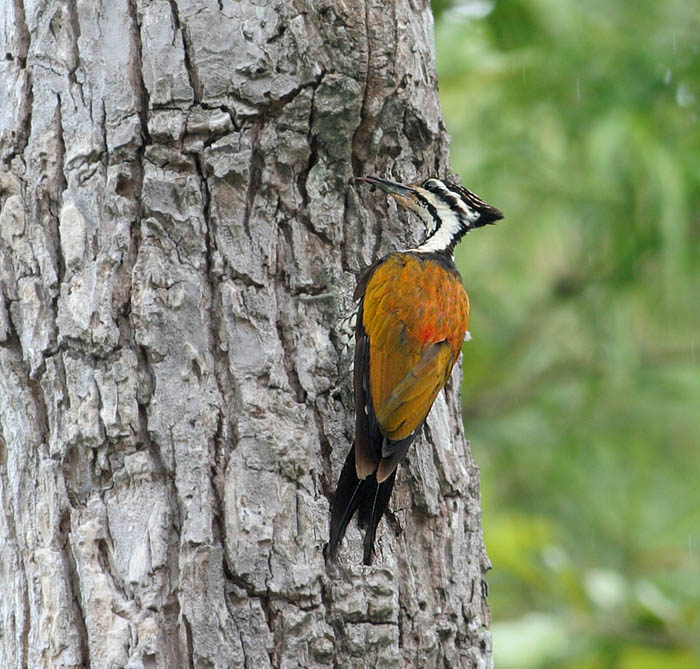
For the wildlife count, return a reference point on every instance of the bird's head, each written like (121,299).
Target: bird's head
(448,210)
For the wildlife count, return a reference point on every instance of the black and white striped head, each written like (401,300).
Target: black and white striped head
(448,210)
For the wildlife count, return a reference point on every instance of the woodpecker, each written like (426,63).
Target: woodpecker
(411,321)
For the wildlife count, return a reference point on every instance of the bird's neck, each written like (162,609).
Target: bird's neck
(444,239)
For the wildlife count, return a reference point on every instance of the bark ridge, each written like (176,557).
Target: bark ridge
(177,241)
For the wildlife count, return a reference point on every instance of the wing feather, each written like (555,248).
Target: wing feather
(415,393)
(411,323)
(415,316)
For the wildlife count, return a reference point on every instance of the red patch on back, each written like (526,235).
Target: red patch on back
(427,334)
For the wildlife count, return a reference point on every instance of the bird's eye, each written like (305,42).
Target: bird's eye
(434,186)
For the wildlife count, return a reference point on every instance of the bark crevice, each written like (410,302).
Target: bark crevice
(178,236)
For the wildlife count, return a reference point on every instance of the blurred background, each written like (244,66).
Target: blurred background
(582,385)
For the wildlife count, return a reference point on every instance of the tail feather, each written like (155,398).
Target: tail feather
(348,495)
(370,497)
(372,508)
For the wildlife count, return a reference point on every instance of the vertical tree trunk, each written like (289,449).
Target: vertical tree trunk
(177,240)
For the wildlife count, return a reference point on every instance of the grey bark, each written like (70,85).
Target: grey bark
(178,237)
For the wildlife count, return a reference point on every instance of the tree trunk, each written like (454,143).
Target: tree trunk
(178,237)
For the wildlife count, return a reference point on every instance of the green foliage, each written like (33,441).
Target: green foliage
(582,385)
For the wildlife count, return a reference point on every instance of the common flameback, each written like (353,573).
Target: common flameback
(411,321)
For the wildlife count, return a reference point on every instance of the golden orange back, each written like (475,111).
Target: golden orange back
(415,313)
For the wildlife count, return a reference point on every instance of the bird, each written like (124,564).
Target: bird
(411,322)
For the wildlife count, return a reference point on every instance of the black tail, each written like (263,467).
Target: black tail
(347,498)
(370,497)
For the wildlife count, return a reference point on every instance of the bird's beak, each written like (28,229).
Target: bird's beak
(390,187)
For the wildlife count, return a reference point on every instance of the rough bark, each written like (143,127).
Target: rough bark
(178,237)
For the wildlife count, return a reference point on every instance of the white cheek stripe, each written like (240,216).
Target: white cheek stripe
(449,229)
(453,224)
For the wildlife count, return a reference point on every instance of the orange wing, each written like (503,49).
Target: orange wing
(414,315)
(413,396)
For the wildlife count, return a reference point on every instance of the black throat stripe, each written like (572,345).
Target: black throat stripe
(431,210)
